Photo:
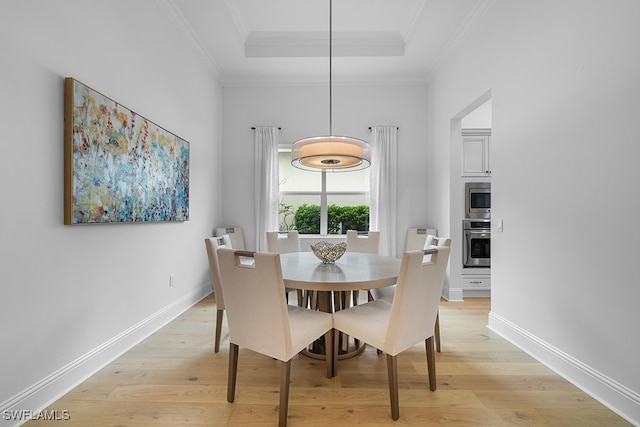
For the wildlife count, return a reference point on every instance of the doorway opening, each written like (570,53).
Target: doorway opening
(470,163)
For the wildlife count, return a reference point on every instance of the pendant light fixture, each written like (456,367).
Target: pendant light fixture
(331,152)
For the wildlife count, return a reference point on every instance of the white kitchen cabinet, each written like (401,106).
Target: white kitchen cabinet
(475,152)
(476,282)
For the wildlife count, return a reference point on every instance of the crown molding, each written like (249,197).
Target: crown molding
(472,20)
(288,82)
(307,44)
(240,23)
(415,15)
(184,28)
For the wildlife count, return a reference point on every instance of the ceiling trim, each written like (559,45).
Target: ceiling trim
(305,44)
(288,82)
(351,45)
(240,23)
(415,15)
(182,25)
(472,20)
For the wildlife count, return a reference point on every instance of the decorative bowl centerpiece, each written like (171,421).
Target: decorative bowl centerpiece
(327,252)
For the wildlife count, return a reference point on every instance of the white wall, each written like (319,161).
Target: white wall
(81,294)
(480,118)
(303,111)
(564,81)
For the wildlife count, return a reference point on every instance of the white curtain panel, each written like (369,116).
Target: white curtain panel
(384,177)
(266,183)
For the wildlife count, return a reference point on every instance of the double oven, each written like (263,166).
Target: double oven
(476,226)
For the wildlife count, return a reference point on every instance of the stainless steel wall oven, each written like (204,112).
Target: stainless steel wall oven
(477,243)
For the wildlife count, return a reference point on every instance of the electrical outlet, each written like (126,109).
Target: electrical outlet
(172,280)
(500,226)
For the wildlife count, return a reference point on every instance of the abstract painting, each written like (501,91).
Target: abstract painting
(119,166)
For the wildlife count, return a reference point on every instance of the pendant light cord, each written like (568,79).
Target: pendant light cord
(330,68)
(331,153)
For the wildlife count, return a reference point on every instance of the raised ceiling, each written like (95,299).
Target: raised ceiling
(252,42)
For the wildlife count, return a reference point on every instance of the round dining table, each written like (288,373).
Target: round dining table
(352,272)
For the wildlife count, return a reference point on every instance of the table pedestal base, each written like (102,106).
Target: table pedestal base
(329,302)
(317,351)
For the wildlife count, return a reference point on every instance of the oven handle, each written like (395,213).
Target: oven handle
(487,233)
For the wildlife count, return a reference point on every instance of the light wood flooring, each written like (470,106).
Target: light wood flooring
(174,378)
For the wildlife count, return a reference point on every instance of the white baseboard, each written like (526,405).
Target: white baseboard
(476,293)
(453,294)
(620,399)
(15,411)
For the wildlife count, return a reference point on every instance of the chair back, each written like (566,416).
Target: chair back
(433,241)
(438,242)
(416,301)
(255,302)
(235,234)
(213,244)
(283,243)
(416,237)
(367,243)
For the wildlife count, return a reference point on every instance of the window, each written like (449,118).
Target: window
(322,202)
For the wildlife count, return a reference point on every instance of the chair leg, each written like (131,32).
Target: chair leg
(306,297)
(328,347)
(339,303)
(392,371)
(355,295)
(431,363)
(336,348)
(219,314)
(285,375)
(233,372)
(314,300)
(437,332)
(301,301)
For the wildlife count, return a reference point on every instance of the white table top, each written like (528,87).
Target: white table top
(353,271)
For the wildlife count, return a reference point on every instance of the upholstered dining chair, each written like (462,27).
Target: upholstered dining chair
(417,236)
(367,243)
(284,243)
(439,242)
(235,234)
(396,326)
(213,244)
(430,241)
(265,323)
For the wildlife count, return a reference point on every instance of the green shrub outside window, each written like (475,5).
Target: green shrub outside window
(340,219)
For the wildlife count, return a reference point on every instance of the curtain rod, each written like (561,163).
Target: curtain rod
(397,127)
(254,128)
